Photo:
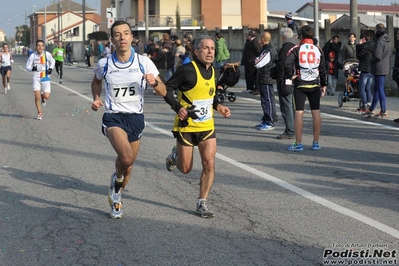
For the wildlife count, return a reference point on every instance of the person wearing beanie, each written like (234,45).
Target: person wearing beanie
(291,24)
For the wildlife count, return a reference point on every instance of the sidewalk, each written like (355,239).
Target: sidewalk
(329,104)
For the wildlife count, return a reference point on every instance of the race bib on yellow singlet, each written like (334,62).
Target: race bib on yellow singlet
(123,93)
(203,108)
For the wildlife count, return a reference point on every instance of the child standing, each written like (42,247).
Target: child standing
(332,70)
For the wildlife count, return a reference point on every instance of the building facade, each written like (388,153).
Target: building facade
(63,21)
(195,14)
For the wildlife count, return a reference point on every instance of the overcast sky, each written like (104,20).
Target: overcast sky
(13,12)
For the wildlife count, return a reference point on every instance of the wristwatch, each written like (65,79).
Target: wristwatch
(155,84)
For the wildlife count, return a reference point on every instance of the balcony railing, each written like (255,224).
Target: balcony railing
(170,21)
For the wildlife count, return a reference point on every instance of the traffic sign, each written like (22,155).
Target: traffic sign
(71,35)
(110,22)
(111,12)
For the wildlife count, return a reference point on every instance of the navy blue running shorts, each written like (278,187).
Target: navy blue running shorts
(4,69)
(132,124)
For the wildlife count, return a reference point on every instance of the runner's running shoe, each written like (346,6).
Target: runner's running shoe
(114,199)
(43,100)
(5,90)
(203,211)
(295,147)
(171,159)
(39,116)
(8,86)
(316,146)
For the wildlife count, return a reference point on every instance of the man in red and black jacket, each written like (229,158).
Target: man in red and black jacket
(305,65)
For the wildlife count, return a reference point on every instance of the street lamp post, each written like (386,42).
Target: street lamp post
(59,11)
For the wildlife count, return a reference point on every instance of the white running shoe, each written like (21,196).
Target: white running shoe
(39,116)
(5,90)
(114,199)
(8,86)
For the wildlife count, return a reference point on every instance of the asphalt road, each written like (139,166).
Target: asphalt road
(272,207)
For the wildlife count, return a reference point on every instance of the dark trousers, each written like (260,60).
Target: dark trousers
(287,111)
(88,60)
(58,67)
(268,103)
(250,78)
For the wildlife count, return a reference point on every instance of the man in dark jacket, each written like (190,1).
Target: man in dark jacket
(291,24)
(251,51)
(310,80)
(380,68)
(332,45)
(159,60)
(284,86)
(364,51)
(263,63)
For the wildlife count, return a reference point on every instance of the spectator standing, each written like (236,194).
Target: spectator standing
(187,39)
(380,68)
(69,53)
(364,52)
(349,49)
(139,46)
(149,49)
(333,67)
(180,51)
(170,54)
(100,50)
(251,51)
(59,56)
(310,74)
(107,49)
(222,52)
(159,60)
(263,63)
(89,54)
(332,45)
(284,86)
(291,24)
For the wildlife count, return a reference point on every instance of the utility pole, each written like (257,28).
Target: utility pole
(316,19)
(354,17)
(84,28)
(147,33)
(44,28)
(58,14)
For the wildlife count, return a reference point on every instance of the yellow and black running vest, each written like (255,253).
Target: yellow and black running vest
(201,95)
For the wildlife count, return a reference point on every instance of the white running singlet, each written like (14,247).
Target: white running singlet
(5,59)
(124,82)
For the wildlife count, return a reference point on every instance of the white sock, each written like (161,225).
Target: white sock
(199,201)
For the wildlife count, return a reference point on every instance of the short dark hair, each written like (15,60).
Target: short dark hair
(118,23)
(39,41)
(307,32)
(252,33)
(354,35)
(365,35)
